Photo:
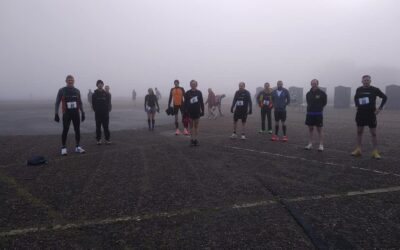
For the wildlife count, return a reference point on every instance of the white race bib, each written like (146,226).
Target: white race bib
(194,100)
(363,100)
(239,103)
(266,102)
(72,105)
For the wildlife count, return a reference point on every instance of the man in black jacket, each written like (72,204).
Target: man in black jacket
(101,101)
(316,101)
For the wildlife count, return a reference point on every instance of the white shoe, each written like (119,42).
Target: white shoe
(243,137)
(234,136)
(321,148)
(308,147)
(79,150)
(64,151)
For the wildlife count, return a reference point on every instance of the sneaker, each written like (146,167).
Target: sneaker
(177,132)
(234,136)
(185,132)
(376,155)
(285,138)
(261,131)
(64,151)
(191,142)
(98,142)
(79,150)
(270,132)
(321,148)
(356,152)
(243,137)
(108,142)
(274,138)
(308,147)
(196,142)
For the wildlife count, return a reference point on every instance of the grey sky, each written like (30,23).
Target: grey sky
(140,44)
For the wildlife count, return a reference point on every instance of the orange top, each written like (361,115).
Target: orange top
(177,95)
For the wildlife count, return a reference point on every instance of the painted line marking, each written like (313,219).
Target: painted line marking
(314,161)
(138,218)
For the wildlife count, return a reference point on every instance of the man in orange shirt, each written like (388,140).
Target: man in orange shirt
(176,96)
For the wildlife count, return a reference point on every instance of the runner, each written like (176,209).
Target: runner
(158,94)
(243,106)
(211,101)
(89,97)
(365,101)
(151,107)
(316,101)
(280,99)
(194,107)
(134,97)
(264,100)
(218,103)
(176,97)
(102,106)
(71,106)
(107,89)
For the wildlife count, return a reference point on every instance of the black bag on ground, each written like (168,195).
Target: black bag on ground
(36,160)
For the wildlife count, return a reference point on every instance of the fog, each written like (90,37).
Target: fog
(140,44)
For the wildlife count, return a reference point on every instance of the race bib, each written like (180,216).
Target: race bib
(72,105)
(239,103)
(363,100)
(266,102)
(194,100)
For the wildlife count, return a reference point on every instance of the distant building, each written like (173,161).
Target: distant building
(342,98)
(296,96)
(393,95)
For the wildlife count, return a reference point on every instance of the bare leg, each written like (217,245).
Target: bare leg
(360,131)
(320,135)
(310,135)
(374,138)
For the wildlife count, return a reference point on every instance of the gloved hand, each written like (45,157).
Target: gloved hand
(158,110)
(202,113)
(56,118)
(231,110)
(83,116)
(250,112)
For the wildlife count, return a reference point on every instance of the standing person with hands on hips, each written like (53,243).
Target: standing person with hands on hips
(241,107)
(72,110)
(194,107)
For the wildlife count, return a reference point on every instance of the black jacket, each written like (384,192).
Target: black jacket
(316,100)
(101,102)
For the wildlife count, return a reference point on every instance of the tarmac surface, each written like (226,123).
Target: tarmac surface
(151,190)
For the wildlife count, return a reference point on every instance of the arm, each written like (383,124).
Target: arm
(287,97)
(234,101)
(355,99)
(384,98)
(325,99)
(58,101)
(94,102)
(80,101)
(250,102)
(170,98)
(308,99)
(109,103)
(158,107)
(183,95)
(201,103)
(145,101)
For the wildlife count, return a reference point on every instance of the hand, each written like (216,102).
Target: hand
(378,111)
(202,113)
(56,118)
(83,116)
(231,110)
(250,112)
(158,110)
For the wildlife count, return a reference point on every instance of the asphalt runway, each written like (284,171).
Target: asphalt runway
(151,190)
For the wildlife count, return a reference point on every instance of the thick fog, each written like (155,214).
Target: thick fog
(140,44)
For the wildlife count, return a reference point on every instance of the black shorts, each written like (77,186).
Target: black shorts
(177,109)
(315,120)
(366,119)
(194,114)
(280,115)
(240,115)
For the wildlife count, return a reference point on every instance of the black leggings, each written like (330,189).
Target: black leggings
(102,120)
(67,118)
(266,112)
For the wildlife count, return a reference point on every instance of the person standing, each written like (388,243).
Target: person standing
(365,101)
(316,101)
(176,97)
(151,107)
(280,99)
(72,110)
(134,97)
(211,104)
(264,100)
(107,89)
(218,103)
(194,107)
(241,107)
(102,106)
(89,97)
(158,94)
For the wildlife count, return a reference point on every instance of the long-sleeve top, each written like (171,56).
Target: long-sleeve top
(365,98)
(101,102)
(70,100)
(242,101)
(316,101)
(264,99)
(151,101)
(280,99)
(176,95)
(194,101)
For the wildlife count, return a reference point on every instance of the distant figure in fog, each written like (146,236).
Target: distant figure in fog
(158,94)
(134,97)
(102,106)
(218,103)
(151,107)
(89,97)
(211,104)
(107,89)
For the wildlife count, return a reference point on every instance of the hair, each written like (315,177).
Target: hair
(266,83)
(193,81)
(69,77)
(151,91)
(242,83)
(315,80)
(99,82)
(365,76)
(176,81)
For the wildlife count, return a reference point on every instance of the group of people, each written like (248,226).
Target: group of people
(191,106)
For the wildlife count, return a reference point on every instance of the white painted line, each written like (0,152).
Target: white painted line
(315,161)
(138,218)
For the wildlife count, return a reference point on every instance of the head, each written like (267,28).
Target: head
(279,85)
(242,85)
(193,84)
(266,86)
(209,90)
(366,80)
(150,91)
(107,88)
(314,84)
(99,84)
(70,81)
(176,83)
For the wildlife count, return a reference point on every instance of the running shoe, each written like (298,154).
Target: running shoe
(308,147)
(177,132)
(356,152)
(274,138)
(243,137)
(64,151)
(79,150)
(321,148)
(196,142)
(191,142)
(98,142)
(261,131)
(108,142)
(234,136)
(186,132)
(285,138)
(376,155)
(269,131)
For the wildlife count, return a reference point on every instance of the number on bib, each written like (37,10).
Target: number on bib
(266,102)
(239,103)
(363,100)
(71,105)
(194,100)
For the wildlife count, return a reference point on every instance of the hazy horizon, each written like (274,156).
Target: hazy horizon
(142,44)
